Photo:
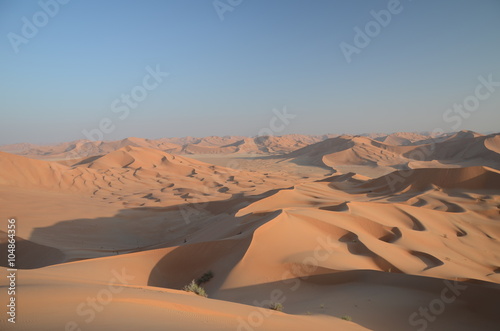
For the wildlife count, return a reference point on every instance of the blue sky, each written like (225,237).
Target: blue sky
(226,76)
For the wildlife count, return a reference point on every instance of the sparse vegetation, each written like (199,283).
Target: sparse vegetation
(346,318)
(205,277)
(276,306)
(195,288)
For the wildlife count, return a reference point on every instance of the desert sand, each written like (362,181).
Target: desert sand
(386,232)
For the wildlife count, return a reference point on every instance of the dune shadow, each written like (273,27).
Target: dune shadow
(189,262)
(28,254)
(416,224)
(342,207)
(139,229)
(429,260)
(340,289)
(451,207)
(392,236)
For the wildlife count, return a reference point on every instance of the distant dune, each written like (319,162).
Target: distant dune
(469,178)
(461,149)
(187,145)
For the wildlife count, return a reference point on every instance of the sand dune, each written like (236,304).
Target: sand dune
(462,149)
(403,138)
(470,178)
(365,219)
(134,225)
(134,171)
(23,172)
(188,145)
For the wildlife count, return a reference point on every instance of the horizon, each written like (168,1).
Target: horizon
(363,134)
(74,70)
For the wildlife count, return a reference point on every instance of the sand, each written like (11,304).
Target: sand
(329,227)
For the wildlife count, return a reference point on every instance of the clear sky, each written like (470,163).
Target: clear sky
(68,71)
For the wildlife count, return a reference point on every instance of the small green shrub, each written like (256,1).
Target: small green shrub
(276,306)
(195,288)
(346,318)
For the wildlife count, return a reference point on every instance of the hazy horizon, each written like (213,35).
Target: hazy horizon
(171,69)
(248,136)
